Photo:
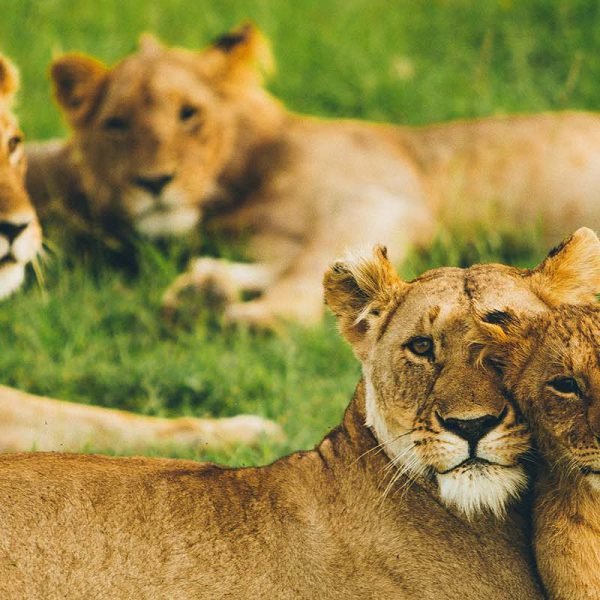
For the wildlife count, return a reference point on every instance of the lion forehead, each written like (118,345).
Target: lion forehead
(496,287)
(135,85)
(431,303)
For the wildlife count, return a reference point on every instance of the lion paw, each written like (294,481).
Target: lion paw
(254,315)
(206,284)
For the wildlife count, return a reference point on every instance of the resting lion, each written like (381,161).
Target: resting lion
(170,137)
(552,366)
(20,233)
(412,496)
(28,421)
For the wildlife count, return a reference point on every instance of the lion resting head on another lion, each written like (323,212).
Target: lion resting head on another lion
(429,437)
(20,233)
(435,411)
(154,135)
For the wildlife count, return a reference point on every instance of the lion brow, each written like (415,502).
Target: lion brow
(434,313)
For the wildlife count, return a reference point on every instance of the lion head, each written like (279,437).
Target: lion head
(156,136)
(437,413)
(20,234)
(551,363)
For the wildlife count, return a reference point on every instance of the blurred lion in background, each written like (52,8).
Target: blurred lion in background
(169,139)
(30,422)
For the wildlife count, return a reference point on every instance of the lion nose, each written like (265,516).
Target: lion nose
(11,231)
(154,185)
(472,430)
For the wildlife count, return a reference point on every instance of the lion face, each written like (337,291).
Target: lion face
(155,135)
(20,234)
(439,413)
(434,409)
(552,365)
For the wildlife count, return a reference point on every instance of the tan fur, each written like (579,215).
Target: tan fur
(301,189)
(535,353)
(361,516)
(30,422)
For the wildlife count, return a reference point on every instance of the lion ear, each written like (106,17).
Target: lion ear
(359,290)
(78,83)
(242,54)
(571,272)
(9,79)
(501,335)
(499,326)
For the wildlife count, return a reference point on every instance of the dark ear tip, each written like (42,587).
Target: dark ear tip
(499,317)
(229,41)
(559,247)
(339,268)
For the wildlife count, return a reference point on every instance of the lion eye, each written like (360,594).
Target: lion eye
(14,142)
(496,365)
(186,112)
(564,385)
(116,124)
(421,346)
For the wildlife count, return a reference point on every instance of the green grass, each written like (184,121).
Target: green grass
(93,333)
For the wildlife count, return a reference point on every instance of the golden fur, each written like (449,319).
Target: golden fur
(366,514)
(31,422)
(542,357)
(169,137)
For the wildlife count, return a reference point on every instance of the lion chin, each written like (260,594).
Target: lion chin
(476,488)
(168,216)
(11,278)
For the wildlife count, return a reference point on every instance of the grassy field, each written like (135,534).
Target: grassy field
(92,332)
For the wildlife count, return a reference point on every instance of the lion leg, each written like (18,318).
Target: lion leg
(216,283)
(29,422)
(295,296)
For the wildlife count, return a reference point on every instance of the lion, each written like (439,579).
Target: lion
(414,495)
(28,421)
(20,232)
(170,138)
(550,364)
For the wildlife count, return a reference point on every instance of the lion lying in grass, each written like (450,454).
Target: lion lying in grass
(412,496)
(551,364)
(170,137)
(28,421)
(20,233)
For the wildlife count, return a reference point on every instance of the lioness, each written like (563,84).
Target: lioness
(28,421)
(551,364)
(410,497)
(20,233)
(168,136)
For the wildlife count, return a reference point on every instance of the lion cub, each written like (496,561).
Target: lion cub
(551,363)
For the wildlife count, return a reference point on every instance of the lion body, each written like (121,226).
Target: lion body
(393,503)
(312,525)
(299,189)
(566,508)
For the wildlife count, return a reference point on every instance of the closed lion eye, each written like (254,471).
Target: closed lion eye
(14,142)
(421,346)
(187,111)
(116,124)
(564,385)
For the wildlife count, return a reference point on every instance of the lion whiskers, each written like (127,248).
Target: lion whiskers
(412,468)
(381,446)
